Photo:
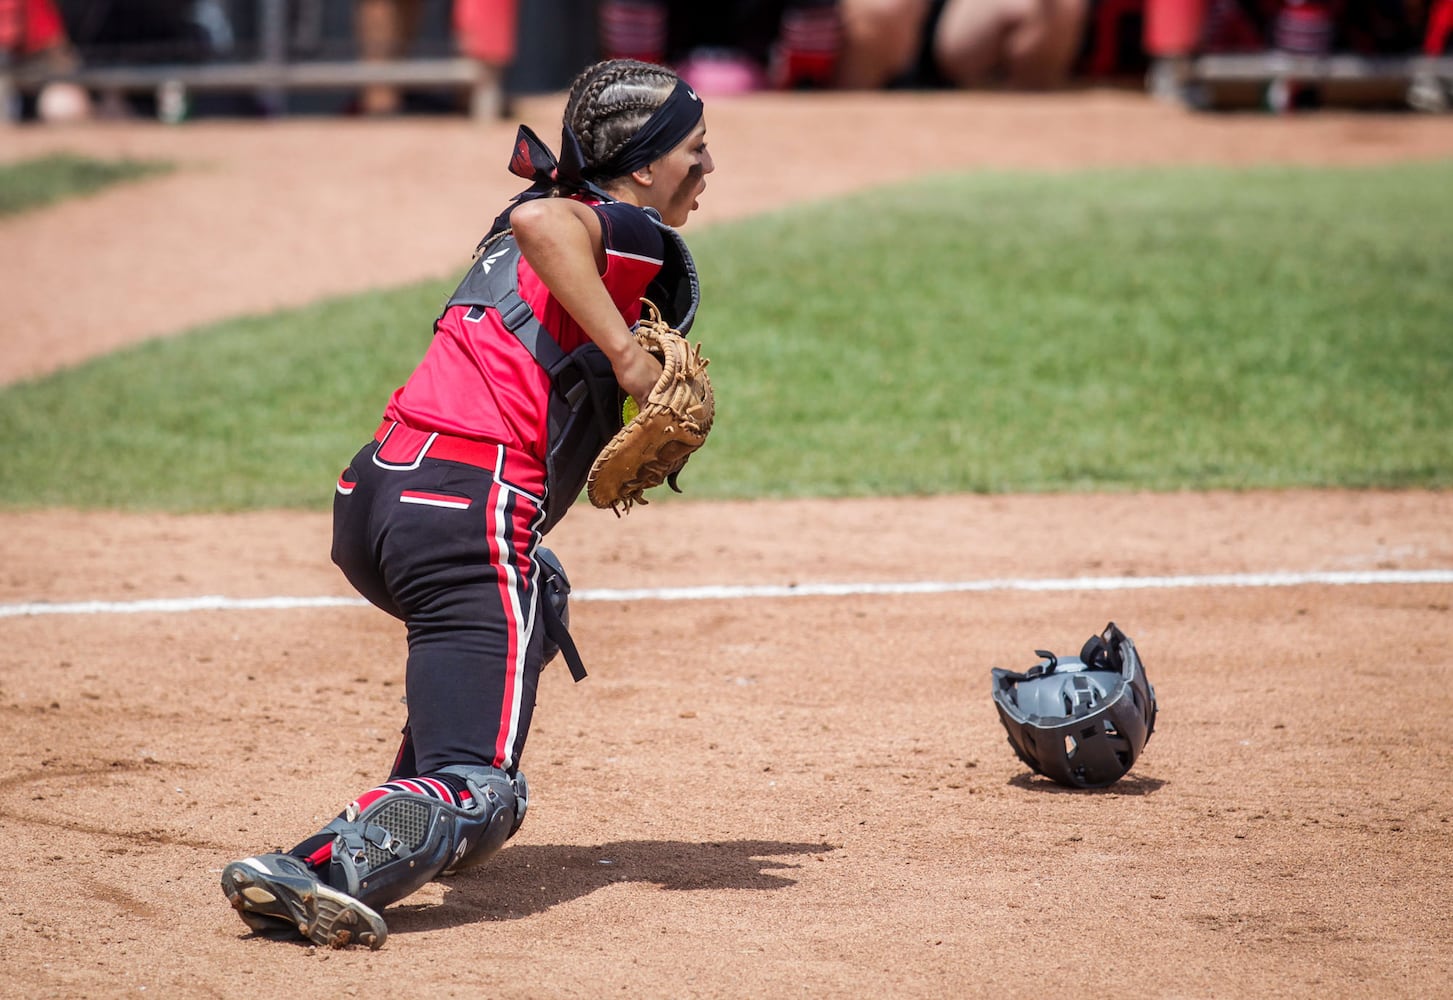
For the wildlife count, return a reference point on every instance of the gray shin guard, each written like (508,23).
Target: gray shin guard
(401,841)
(489,784)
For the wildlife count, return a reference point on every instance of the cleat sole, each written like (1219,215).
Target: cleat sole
(274,897)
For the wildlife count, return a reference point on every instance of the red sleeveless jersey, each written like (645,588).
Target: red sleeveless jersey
(476,380)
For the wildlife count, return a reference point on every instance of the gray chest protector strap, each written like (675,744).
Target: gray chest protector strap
(585,400)
(582,414)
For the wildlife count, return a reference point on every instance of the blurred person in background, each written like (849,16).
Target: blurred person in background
(147,32)
(483,30)
(33,38)
(728,47)
(384,29)
(1014,44)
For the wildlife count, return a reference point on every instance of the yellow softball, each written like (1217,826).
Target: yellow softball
(629,409)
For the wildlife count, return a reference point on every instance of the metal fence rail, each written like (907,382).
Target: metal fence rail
(1214,79)
(308,45)
(172,83)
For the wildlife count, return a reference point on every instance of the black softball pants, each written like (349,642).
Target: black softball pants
(448,547)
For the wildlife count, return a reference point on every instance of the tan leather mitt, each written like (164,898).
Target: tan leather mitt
(673,422)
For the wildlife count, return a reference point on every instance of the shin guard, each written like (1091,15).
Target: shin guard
(390,842)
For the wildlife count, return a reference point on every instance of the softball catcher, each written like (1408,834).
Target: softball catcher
(438,520)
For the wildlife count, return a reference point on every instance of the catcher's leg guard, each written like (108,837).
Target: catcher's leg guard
(486,847)
(279,892)
(388,845)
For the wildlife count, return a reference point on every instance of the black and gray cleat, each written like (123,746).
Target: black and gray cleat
(276,893)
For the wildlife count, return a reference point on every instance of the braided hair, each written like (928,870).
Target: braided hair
(610,101)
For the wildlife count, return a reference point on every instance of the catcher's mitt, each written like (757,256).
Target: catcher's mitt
(673,422)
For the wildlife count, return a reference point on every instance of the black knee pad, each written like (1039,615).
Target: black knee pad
(401,840)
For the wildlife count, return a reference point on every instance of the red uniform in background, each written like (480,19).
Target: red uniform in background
(28,27)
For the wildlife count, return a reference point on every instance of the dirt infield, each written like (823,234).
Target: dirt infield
(751,794)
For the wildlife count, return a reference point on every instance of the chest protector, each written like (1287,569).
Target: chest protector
(585,400)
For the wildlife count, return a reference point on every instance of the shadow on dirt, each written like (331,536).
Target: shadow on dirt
(1131,784)
(531,878)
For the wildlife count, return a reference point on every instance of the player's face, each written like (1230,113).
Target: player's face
(679,177)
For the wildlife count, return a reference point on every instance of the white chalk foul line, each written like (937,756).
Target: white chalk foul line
(1076,583)
(726,593)
(174,605)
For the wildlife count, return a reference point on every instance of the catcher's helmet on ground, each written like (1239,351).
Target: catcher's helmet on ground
(1080,721)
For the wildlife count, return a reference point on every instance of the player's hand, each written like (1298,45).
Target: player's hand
(637,371)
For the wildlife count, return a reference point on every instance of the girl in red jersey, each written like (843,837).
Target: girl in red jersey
(438,520)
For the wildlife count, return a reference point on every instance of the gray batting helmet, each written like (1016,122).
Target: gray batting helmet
(1080,721)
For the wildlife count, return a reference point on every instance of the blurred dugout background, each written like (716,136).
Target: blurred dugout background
(300,56)
(181,58)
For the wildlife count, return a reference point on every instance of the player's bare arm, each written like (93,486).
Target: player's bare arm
(562,241)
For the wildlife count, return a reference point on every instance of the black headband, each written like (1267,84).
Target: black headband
(672,122)
(667,127)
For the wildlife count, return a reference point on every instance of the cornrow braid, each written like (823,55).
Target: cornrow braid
(610,101)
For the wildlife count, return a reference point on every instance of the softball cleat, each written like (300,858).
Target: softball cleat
(277,893)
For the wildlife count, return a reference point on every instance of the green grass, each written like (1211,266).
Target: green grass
(1157,329)
(32,184)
